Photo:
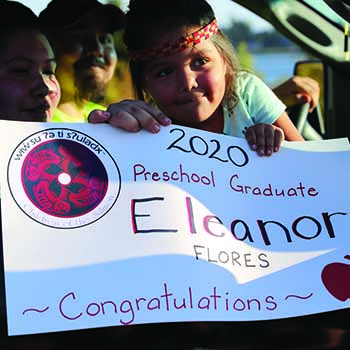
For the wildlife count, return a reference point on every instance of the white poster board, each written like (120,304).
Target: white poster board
(103,227)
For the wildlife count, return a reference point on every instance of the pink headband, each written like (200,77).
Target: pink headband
(183,43)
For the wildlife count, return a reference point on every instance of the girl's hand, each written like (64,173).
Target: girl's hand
(131,115)
(264,138)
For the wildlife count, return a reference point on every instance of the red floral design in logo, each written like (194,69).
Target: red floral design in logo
(63,178)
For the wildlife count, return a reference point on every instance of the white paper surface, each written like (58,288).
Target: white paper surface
(102,227)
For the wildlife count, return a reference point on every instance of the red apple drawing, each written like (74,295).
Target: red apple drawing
(336,279)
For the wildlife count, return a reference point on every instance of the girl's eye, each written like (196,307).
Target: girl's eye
(200,61)
(49,69)
(164,72)
(48,72)
(19,71)
(106,39)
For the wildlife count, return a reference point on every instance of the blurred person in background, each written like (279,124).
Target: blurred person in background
(81,33)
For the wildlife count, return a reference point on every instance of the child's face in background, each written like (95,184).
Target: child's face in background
(188,86)
(29,90)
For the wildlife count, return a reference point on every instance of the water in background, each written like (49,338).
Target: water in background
(275,67)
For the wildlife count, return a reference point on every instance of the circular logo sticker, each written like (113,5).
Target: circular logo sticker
(63,178)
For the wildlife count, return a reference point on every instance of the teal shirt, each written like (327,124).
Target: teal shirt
(257,103)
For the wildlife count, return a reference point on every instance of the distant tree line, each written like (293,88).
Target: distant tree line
(240,31)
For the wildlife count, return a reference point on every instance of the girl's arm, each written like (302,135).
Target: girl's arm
(290,131)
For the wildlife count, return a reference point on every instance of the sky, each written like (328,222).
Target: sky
(225,11)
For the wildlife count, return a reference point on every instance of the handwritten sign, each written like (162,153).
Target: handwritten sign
(102,227)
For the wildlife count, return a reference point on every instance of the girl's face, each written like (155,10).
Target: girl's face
(189,86)
(29,90)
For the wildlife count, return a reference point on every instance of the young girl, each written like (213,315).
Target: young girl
(182,62)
